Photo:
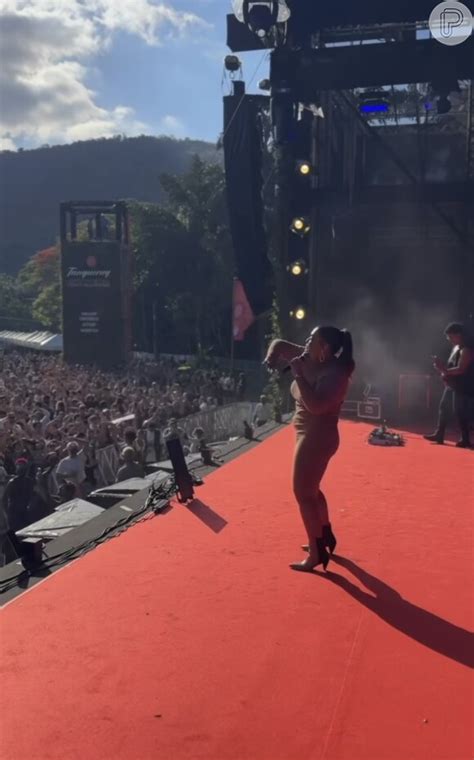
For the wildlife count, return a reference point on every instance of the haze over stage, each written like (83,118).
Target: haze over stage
(188,637)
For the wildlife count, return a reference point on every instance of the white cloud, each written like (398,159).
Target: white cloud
(146,19)
(45,49)
(171,125)
(106,124)
(6,143)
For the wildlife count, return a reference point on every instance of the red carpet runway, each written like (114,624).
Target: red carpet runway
(189,638)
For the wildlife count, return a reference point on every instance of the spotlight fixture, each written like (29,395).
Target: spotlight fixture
(264,85)
(300,226)
(297,268)
(232,63)
(261,17)
(299,313)
(304,168)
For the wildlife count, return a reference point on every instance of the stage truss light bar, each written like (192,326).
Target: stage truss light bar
(353,67)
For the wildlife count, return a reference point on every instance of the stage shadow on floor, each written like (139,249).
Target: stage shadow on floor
(428,629)
(207,515)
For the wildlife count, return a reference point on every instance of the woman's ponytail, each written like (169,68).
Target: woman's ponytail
(340,342)
(346,356)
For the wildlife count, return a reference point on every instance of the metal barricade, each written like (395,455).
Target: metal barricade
(108,463)
(218,425)
(221,423)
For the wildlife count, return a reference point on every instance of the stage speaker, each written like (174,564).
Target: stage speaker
(244,183)
(30,549)
(182,475)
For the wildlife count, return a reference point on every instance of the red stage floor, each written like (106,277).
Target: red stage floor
(189,638)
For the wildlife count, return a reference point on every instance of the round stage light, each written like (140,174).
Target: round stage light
(300,225)
(304,168)
(299,313)
(243,7)
(297,268)
(232,63)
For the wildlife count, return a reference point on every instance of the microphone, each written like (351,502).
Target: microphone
(288,368)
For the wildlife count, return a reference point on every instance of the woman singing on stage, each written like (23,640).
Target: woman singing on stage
(321,371)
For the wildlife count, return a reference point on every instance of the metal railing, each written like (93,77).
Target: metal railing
(221,423)
(108,463)
(218,425)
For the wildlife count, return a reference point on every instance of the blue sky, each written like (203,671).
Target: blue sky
(78,69)
(177,80)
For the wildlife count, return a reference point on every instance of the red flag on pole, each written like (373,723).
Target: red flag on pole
(242,312)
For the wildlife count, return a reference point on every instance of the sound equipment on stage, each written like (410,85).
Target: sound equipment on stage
(111,495)
(183,477)
(243,168)
(382,436)
(368,409)
(65,518)
(29,550)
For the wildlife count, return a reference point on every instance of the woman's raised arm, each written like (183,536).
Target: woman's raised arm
(282,351)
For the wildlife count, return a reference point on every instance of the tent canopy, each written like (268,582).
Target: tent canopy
(38,341)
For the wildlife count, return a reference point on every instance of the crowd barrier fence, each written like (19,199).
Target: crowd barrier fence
(221,423)
(108,463)
(218,425)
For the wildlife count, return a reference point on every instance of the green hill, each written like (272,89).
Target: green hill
(34,182)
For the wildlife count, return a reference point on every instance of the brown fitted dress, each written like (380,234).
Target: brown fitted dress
(317,435)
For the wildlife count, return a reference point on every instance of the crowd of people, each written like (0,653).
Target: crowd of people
(55,418)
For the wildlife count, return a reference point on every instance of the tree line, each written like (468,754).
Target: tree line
(34,183)
(182,270)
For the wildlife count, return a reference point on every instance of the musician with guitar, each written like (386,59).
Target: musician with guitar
(458,375)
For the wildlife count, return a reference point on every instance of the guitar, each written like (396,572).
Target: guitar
(454,382)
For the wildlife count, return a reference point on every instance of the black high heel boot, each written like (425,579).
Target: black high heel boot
(309,564)
(329,540)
